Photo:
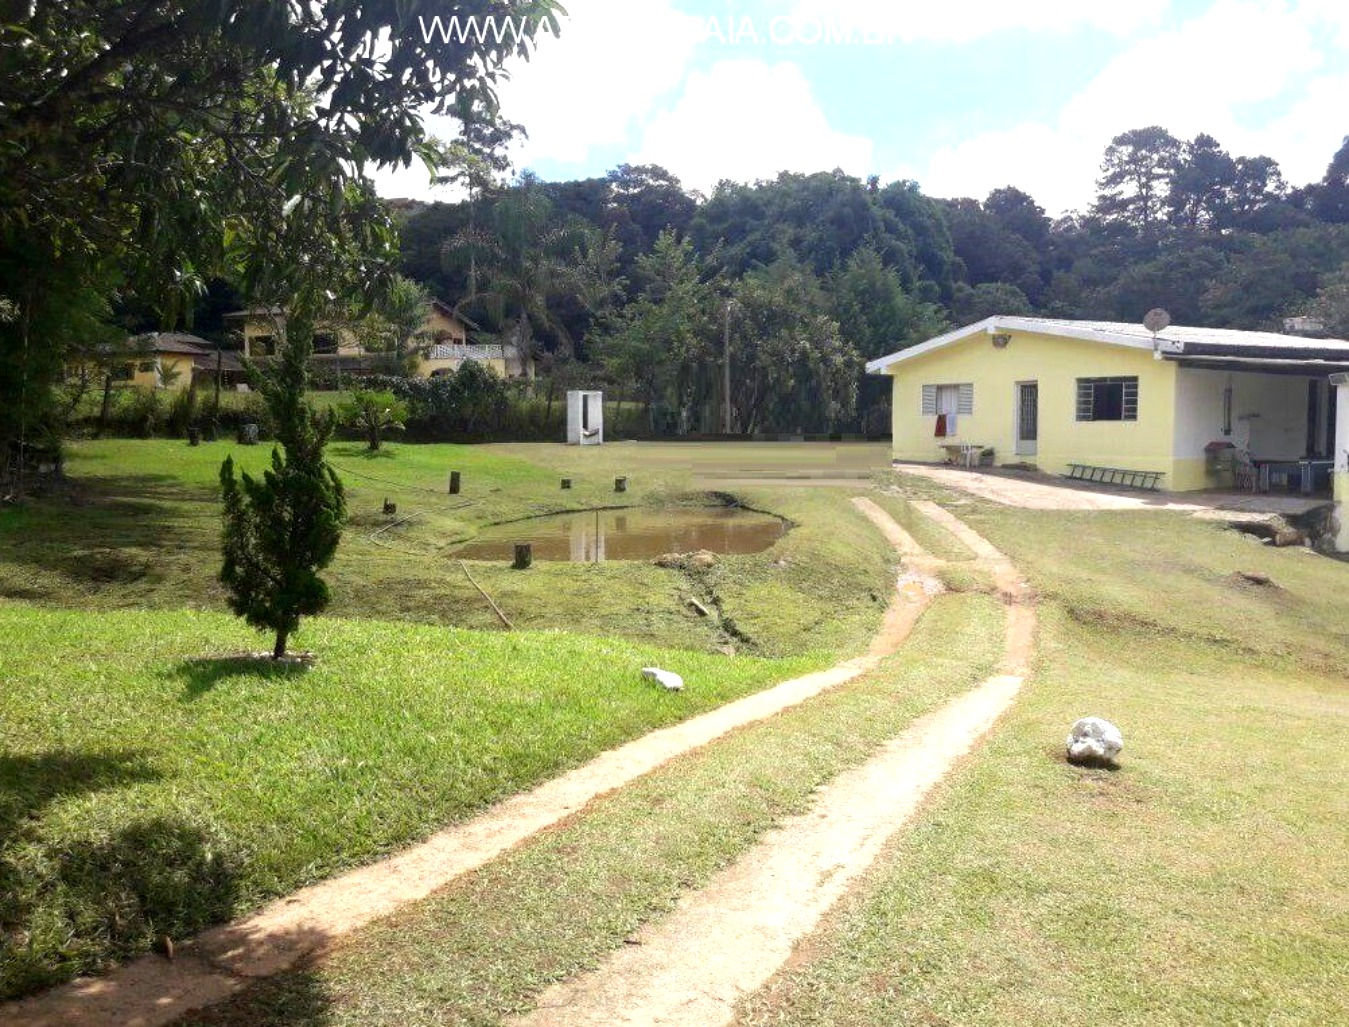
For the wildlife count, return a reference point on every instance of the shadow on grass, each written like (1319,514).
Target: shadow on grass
(353,451)
(201,675)
(104,531)
(296,998)
(74,899)
(78,905)
(29,783)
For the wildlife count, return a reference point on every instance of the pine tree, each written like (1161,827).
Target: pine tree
(281,530)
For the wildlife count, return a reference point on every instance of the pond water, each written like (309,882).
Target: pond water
(594,536)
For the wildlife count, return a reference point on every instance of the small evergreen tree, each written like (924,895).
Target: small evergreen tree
(281,530)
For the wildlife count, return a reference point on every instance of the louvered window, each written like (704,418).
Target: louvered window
(1107,399)
(948,399)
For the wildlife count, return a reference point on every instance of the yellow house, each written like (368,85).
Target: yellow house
(443,344)
(1094,397)
(167,360)
(263,328)
(447,348)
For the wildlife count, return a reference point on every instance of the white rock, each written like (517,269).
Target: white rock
(1094,739)
(668,678)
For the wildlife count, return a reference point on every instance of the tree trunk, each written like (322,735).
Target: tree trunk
(373,435)
(107,403)
(279,650)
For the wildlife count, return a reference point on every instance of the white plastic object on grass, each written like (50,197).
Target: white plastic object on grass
(667,678)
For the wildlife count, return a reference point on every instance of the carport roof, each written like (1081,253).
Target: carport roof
(1174,343)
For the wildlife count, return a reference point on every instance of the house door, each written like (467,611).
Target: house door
(1027,418)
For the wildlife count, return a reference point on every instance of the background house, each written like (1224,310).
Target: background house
(1056,393)
(443,345)
(169,360)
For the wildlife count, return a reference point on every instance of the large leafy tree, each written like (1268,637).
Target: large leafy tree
(877,316)
(1332,303)
(791,367)
(1203,181)
(145,145)
(1330,198)
(526,261)
(659,346)
(1135,181)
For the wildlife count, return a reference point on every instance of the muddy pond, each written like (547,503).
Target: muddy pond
(594,536)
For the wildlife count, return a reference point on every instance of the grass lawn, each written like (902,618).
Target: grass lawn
(483,947)
(1202,882)
(150,785)
(141,529)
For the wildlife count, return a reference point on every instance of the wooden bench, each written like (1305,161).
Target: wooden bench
(1116,476)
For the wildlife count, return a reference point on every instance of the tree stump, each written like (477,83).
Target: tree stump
(524,556)
(566,484)
(620,484)
(454,483)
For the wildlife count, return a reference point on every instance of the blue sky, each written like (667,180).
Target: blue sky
(961,95)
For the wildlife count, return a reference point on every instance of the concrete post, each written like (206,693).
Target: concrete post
(1340,476)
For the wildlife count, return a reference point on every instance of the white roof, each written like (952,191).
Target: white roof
(1170,341)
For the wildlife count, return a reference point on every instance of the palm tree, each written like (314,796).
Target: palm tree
(525,259)
(405,308)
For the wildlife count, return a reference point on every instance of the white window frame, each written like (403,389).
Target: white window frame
(1086,393)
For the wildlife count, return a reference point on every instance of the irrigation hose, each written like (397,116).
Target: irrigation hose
(504,619)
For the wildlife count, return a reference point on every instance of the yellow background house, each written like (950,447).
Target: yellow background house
(1056,393)
(167,360)
(443,344)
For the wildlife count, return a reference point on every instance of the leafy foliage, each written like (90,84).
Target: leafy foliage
(220,140)
(373,413)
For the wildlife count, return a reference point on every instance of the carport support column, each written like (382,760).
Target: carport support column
(1341,474)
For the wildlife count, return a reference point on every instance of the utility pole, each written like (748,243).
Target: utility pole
(726,372)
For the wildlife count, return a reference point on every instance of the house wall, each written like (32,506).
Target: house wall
(1056,364)
(442,327)
(257,328)
(427,367)
(1269,419)
(169,362)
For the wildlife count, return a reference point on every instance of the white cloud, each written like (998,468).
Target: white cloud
(610,66)
(1207,75)
(745,120)
(962,20)
(586,89)
(1305,138)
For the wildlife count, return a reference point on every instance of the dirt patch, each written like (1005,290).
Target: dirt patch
(1253,580)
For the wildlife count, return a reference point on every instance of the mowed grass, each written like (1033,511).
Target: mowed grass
(140,528)
(485,946)
(1200,882)
(152,784)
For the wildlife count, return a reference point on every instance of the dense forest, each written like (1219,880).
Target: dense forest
(634,283)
